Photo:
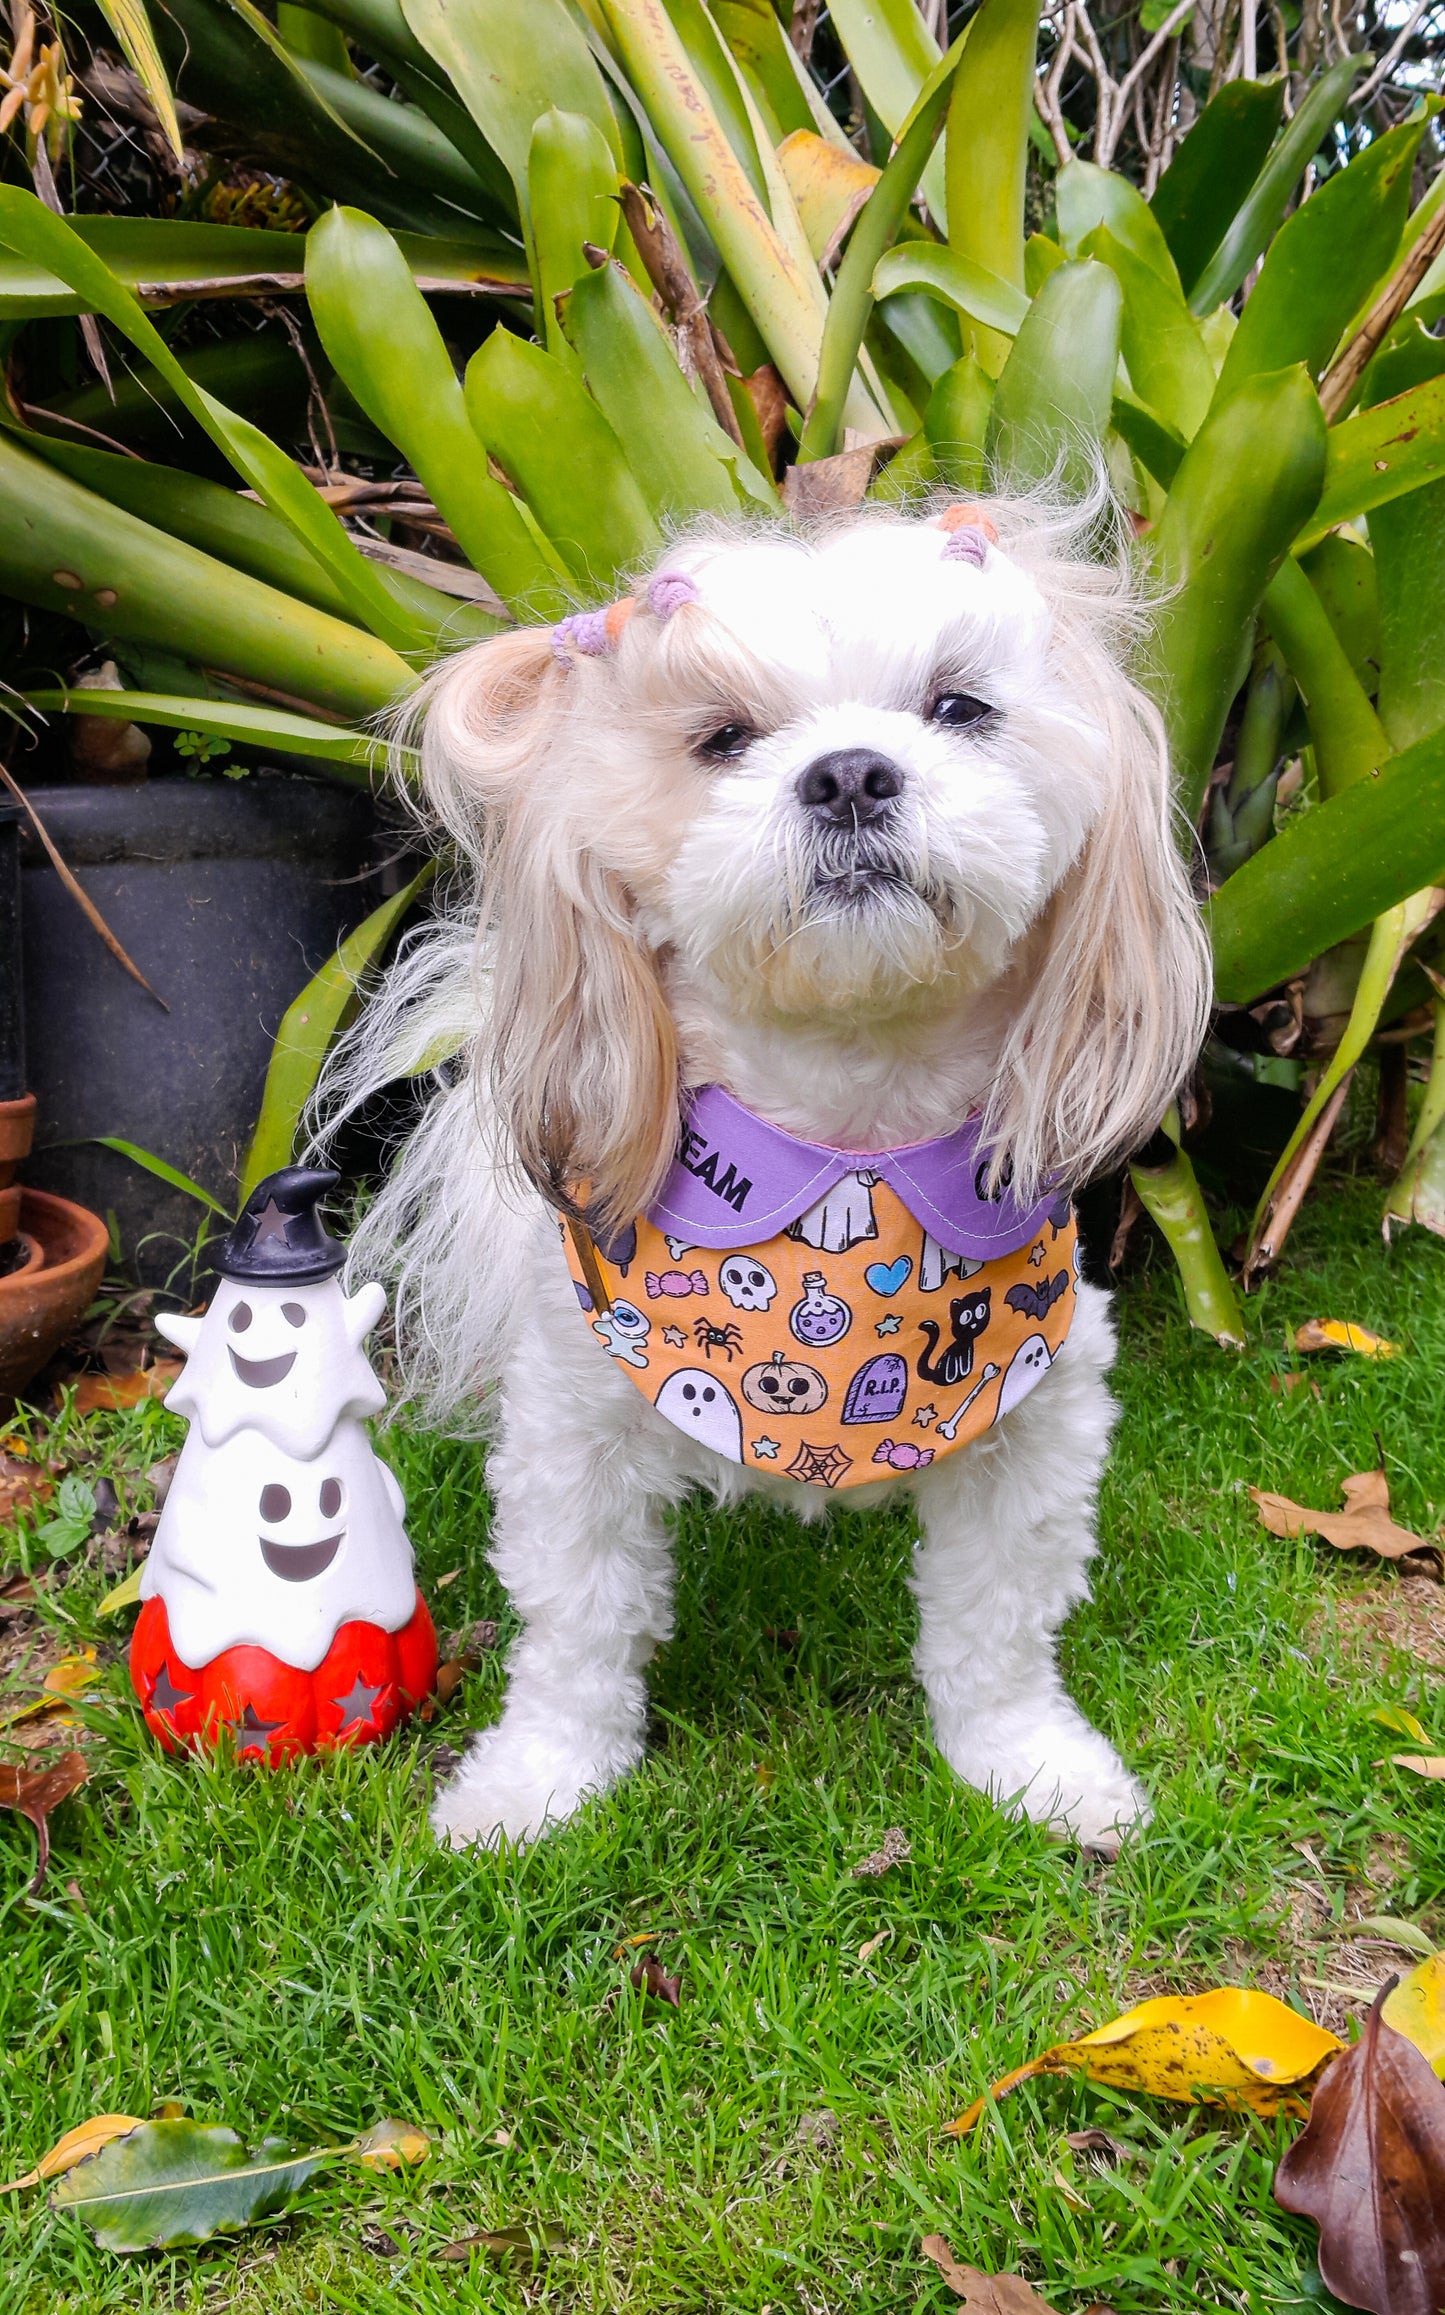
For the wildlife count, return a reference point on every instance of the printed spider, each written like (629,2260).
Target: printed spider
(710,1338)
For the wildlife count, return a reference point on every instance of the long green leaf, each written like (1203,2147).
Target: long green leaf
(164,1172)
(1161,339)
(1408,537)
(956,424)
(171,2183)
(379,332)
(132,28)
(1243,489)
(1331,871)
(260,727)
(1379,455)
(680,458)
(67,551)
(986,156)
(1248,233)
(877,223)
(978,295)
(1205,184)
(548,435)
(572,186)
(1323,260)
(510,64)
(1052,402)
(1349,741)
(309,1028)
(28,227)
(893,52)
(1088,197)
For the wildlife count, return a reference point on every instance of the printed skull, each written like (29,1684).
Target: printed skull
(747,1284)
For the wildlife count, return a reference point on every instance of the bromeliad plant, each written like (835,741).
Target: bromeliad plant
(691,261)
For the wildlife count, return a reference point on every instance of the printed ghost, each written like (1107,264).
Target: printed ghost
(842,1218)
(699,1405)
(260,1548)
(936,1262)
(747,1283)
(1029,1364)
(284,1359)
(624,1329)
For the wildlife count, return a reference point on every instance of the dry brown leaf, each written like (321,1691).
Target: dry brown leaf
(1369,2169)
(894,1851)
(110,1393)
(1429,1764)
(86,2139)
(1283,1385)
(22,1484)
(1342,1334)
(983,2294)
(33,1793)
(649,1977)
(516,2245)
(451,1675)
(1100,2143)
(867,1950)
(1364,1524)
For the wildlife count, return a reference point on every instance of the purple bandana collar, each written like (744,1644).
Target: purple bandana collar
(738,1181)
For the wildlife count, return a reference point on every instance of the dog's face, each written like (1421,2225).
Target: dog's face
(862,771)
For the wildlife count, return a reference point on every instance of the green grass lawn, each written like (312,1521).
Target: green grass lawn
(289,1952)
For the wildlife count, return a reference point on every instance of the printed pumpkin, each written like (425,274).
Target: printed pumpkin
(368,1682)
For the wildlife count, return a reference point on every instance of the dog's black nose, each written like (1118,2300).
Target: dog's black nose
(850,785)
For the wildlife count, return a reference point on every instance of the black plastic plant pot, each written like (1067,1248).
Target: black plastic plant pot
(228,896)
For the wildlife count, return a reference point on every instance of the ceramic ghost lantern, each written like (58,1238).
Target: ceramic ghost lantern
(280,1602)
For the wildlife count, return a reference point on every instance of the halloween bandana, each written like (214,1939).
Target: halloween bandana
(826,1315)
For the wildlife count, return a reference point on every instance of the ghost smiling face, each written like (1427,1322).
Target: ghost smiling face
(283,1359)
(747,1283)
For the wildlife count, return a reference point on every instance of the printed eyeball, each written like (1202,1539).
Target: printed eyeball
(746,1283)
(624,1328)
(629,1323)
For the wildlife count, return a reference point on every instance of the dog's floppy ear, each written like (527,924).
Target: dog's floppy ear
(1114,997)
(582,1053)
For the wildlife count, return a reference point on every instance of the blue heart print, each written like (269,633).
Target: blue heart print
(886,1277)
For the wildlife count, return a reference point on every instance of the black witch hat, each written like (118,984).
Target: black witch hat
(280,1238)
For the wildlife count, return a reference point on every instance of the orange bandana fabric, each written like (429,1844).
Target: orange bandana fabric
(849,1347)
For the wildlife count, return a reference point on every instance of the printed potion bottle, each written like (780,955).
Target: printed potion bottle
(820,1318)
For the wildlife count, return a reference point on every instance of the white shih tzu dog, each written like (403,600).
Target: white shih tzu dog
(825,924)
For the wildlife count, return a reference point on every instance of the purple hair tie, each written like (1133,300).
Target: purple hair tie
(585,632)
(967,544)
(668,592)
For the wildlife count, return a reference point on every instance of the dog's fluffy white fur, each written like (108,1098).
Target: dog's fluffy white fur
(638,915)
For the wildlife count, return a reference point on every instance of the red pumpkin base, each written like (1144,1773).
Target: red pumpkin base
(366,1684)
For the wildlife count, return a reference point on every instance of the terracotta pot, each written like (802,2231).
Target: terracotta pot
(41,1303)
(17,1127)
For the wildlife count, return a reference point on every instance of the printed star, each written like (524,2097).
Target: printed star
(165,1695)
(358,1705)
(825,1464)
(270,1223)
(251,1730)
(766,1450)
(1036,1254)
(924,1416)
(674,1337)
(890,1324)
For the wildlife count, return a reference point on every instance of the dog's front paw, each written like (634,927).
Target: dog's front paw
(513,1787)
(1062,1774)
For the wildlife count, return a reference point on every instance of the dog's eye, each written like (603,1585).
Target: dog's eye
(959,709)
(728,741)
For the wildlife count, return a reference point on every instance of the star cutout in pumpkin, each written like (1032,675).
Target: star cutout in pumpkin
(270,1223)
(825,1464)
(1036,1254)
(251,1730)
(766,1450)
(890,1324)
(165,1695)
(923,1416)
(674,1337)
(358,1705)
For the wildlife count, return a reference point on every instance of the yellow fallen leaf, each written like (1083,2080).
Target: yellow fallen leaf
(125,1595)
(1416,2009)
(1232,2047)
(388,2145)
(86,2139)
(830,185)
(1364,1524)
(867,1951)
(1341,1334)
(111,1393)
(67,1678)
(1423,1763)
(1399,1721)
